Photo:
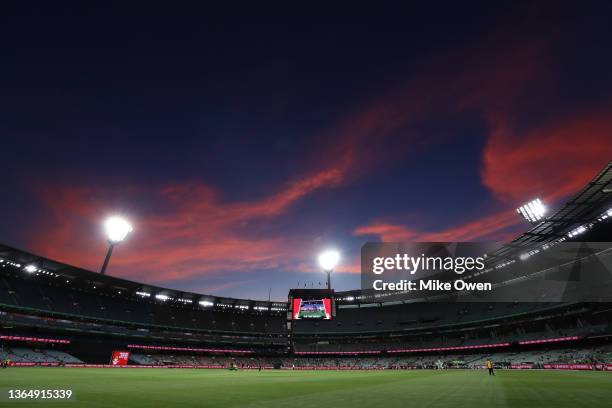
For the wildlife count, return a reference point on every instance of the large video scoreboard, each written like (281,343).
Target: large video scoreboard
(311,304)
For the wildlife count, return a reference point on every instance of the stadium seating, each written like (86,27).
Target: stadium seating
(28,355)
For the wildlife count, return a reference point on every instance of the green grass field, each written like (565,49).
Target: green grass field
(337,389)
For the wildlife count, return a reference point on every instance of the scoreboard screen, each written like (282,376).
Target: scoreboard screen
(312,309)
(311,304)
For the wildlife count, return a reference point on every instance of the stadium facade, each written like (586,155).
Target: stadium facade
(53,313)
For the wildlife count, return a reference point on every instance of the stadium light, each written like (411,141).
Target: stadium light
(577,231)
(328,261)
(533,211)
(30,268)
(117,229)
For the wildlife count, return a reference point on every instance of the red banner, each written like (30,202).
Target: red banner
(120,358)
(267,367)
(34,339)
(478,346)
(209,350)
(553,340)
(568,366)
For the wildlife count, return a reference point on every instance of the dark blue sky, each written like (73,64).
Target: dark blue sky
(243,140)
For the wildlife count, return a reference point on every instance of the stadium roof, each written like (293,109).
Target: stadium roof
(83,279)
(584,210)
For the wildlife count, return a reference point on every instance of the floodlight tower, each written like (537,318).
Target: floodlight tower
(117,229)
(328,261)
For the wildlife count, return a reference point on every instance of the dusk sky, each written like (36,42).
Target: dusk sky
(242,141)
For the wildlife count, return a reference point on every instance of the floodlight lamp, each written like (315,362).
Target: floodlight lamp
(533,211)
(30,268)
(117,229)
(329,259)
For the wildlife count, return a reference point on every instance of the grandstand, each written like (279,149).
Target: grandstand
(56,314)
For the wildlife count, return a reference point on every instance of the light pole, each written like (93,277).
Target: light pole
(328,261)
(117,229)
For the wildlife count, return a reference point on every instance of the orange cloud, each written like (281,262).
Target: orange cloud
(491,227)
(195,233)
(549,161)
